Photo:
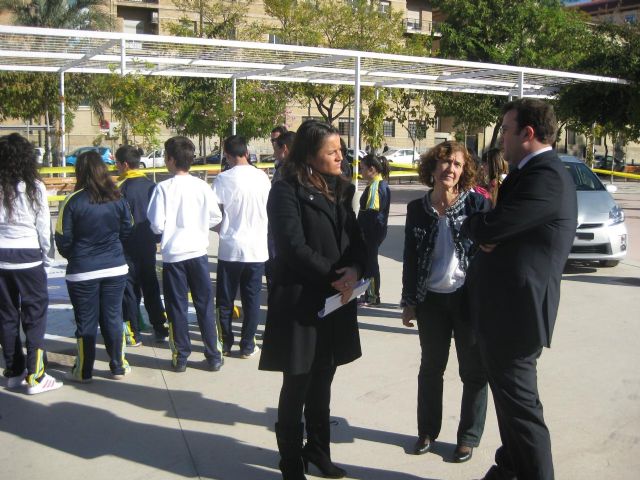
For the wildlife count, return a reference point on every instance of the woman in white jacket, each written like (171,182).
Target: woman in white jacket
(25,229)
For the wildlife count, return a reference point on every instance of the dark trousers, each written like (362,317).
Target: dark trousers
(310,392)
(98,302)
(247,276)
(373,266)
(178,278)
(142,277)
(23,294)
(526,444)
(440,315)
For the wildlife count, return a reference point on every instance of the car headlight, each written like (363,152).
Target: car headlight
(616,215)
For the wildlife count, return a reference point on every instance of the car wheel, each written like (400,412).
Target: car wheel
(609,263)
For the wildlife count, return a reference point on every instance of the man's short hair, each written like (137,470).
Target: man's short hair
(287,139)
(236,146)
(534,113)
(280,129)
(182,150)
(128,154)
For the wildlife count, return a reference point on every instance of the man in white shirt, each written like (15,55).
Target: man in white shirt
(242,193)
(183,209)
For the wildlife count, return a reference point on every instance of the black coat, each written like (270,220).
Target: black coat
(312,239)
(514,291)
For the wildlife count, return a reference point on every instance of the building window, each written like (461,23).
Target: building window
(597,141)
(345,126)
(631,18)
(571,137)
(384,6)
(389,128)
(273,38)
(417,129)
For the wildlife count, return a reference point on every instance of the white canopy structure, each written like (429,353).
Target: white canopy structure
(26,49)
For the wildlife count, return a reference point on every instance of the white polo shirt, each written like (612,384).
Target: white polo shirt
(243,192)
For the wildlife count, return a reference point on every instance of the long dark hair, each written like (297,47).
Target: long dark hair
(93,176)
(308,142)
(379,162)
(18,164)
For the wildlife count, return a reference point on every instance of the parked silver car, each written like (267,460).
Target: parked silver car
(601,234)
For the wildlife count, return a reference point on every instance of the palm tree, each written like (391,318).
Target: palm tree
(72,14)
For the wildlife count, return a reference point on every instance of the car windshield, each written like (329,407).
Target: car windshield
(584,178)
(103,150)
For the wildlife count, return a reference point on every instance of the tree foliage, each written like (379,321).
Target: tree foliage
(614,50)
(357,25)
(76,14)
(411,107)
(223,19)
(532,33)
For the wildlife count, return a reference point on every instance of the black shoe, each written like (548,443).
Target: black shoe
(161,334)
(214,365)
(422,445)
(462,454)
(180,367)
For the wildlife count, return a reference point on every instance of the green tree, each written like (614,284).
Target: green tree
(34,96)
(414,111)
(356,25)
(533,33)
(73,14)
(223,19)
(613,109)
(136,102)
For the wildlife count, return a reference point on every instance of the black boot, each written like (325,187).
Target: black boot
(317,450)
(290,447)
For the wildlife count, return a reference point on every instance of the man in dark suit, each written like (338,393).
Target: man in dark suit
(514,283)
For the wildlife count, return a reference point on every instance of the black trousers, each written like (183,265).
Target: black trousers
(23,294)
(526,444)
(142,277)
(440,316)
(177,279)
(309,392)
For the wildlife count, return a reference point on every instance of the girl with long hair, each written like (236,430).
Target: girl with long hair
(91,225)
(25,229)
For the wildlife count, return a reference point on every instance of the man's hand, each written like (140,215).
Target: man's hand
(408,314)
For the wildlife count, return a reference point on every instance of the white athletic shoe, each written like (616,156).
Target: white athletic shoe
(46,384)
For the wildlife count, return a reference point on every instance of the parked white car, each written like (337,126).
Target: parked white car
(601,235)
(153,160)
(406,156)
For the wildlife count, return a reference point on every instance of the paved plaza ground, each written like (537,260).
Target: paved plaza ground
(157,424)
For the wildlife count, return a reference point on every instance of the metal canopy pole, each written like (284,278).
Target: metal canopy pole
(123,57)
(233,93)
(520,84)
(63,148)
(356,126)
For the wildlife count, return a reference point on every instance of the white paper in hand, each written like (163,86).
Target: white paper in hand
(332,303)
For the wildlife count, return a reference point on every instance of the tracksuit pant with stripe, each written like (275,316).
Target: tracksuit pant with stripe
(142,277)
(177,279)
(98,302)
(23,294)
(248,276)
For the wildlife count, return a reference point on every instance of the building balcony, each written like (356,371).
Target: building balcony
(414,25)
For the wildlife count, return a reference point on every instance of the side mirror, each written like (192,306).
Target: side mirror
(611,188)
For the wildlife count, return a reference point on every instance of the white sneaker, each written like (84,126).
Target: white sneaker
(15,382)
(46,384)
(256,349)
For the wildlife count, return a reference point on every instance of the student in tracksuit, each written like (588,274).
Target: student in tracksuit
(139,249)
(25,229)
(92,223)
(373,217)
(183,209)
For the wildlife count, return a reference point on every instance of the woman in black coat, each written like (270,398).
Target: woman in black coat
(319,252)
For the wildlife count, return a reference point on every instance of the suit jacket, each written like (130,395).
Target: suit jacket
(312,238)
(514,291)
